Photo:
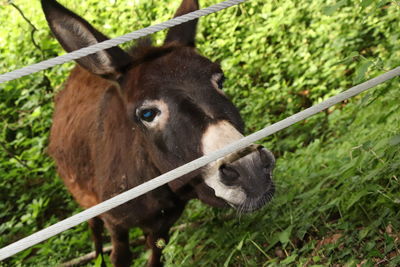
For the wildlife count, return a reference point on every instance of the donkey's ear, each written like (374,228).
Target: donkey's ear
(73,32)
(184,33)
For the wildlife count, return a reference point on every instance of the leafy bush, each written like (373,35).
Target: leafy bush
(337,174)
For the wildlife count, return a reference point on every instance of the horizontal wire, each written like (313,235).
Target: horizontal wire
(187,168)
(9,76)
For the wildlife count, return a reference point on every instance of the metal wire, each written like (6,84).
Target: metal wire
(109,204)
(187,168)
(6,77)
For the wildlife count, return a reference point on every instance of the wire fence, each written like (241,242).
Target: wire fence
(6,77)
(109,204)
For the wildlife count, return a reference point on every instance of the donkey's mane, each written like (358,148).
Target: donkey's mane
(144,51)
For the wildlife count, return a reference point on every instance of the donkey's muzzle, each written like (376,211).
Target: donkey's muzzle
(252,165)
(250,170)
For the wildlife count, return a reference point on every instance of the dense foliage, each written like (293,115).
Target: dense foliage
(337,176)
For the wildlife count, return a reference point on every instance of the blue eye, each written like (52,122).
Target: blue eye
(148,114)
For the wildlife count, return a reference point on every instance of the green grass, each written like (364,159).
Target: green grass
(337,201)
(347,188)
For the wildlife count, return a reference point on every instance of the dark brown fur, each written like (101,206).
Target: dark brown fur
(95,173)
(102,147)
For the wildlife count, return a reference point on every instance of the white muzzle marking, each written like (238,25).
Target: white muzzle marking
(217,136)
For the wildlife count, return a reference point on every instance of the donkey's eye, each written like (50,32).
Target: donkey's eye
(148,114)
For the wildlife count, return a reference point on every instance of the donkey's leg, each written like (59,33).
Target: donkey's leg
(121,256)
(156,241)
(97,227)
(157,234)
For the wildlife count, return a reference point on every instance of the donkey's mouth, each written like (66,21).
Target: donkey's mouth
(255,203)
(243,179)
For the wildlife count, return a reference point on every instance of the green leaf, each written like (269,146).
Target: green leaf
(329,10)
(259,248)
(363,233)
(382,3)
(361,70)
(354,198)
(240,245)
(395,140)
(98,261)
(367,145)
(289,259)
(365,3)
(353,56)
(227,261)
(379,63)
(284,236)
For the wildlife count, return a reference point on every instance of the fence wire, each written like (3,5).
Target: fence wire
(189,167)
(6,77)
(111,203)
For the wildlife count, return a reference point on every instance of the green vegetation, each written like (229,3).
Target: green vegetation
(337,201)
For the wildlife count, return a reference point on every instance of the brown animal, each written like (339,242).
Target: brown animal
(124,118)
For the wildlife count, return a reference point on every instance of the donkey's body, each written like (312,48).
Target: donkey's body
(125,118)
(91,144)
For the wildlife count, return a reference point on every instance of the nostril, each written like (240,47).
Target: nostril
(228,174)
(267,158)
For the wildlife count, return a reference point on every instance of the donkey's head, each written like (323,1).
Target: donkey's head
(174,101)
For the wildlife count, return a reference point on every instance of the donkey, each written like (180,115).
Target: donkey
(124,118)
